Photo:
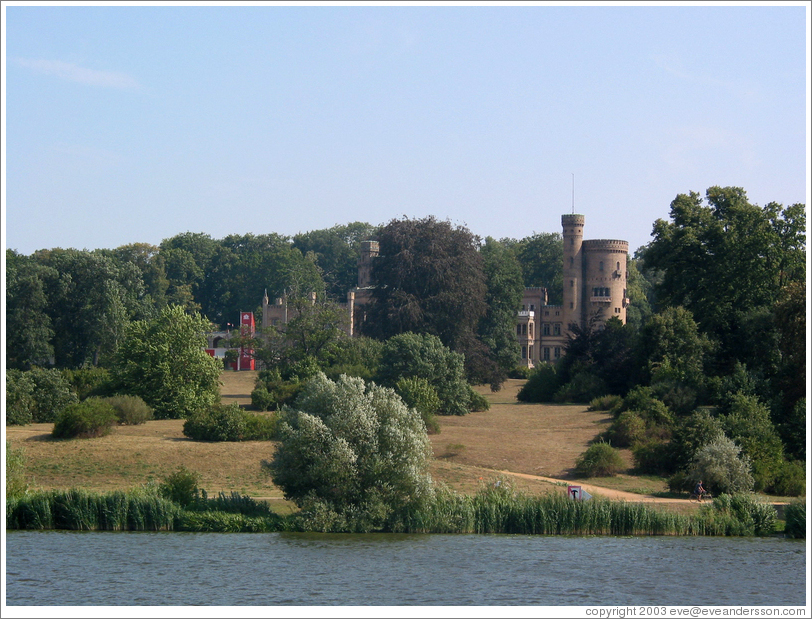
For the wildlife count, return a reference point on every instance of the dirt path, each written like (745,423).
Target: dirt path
(606,493)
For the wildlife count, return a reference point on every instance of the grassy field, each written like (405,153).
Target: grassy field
(531,439)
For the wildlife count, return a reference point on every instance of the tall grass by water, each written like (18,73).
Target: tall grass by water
(496,508)
(499,509)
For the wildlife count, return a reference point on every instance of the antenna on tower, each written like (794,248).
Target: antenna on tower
(573,193)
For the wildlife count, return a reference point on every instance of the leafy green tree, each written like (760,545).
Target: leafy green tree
(29,330)
(723,260)
(355,451)
(503,278)
(541,257)
(164,362)
(52,394)
(20,400)
(428,278)
(424,356)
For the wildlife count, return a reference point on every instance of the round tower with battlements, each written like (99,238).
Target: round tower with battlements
(605,279)
(573,233)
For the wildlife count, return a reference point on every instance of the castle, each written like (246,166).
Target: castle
(594,288)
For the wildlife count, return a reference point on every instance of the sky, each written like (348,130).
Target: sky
(132,124)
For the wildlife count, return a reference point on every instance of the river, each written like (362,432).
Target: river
(148,569)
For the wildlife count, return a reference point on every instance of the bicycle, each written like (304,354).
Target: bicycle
(696,498)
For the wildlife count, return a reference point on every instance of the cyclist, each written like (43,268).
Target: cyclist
(699,490)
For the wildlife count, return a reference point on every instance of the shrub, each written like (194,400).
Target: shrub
(89,382)
(19,398)
(352,455)
(599,460)
(272,391)
(479,403)
(722,467)
(627,430)
(583,387)
(130,409)
(181,487)
(790,480)
(795,515)
(417,393)
(652,456)
(605,402)
(88,419)
(542,384)
(52,394)
(425,356)
(521,372)
(230,423)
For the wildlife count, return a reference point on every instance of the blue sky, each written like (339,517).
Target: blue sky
(133,124)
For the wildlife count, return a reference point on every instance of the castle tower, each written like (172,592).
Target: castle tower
(573,233)
(605,279)
(369,251)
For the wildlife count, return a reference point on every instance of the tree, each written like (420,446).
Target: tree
(503,278)
(411,355)
(428,278)
(541,257)
(354,451)
(722,467)
(164,362)
(29,330)
(726,259)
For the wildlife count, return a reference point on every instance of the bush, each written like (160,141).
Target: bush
(417,393)
(653,456)
(89,382)
(130,409)
(599,460)
(541,385)
(89,419)
(795,516)
(352,456)
(521,372)
(272,391)
(627,430)
(52,394)
(722,467)
(605,403)
(425,356)
(582,388)
(229,423)
(790,480)
(19,398)
(181,487)
(479,403)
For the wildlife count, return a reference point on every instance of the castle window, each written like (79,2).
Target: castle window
(532,308)
(572,260)
(572,305)
(524,352)
(518,329)
(557,352)
(545,329)
(618,266)
(572,283)
(546,354)
(556,329)
(600,265)
(524,329)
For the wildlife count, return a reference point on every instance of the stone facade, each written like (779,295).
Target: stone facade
(594,289)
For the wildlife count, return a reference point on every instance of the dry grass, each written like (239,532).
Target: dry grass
(537,440)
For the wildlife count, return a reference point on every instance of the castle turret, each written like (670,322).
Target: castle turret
(573,233)
(605,279)
(369,251)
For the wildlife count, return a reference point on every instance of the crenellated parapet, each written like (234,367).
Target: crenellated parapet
(607,245)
